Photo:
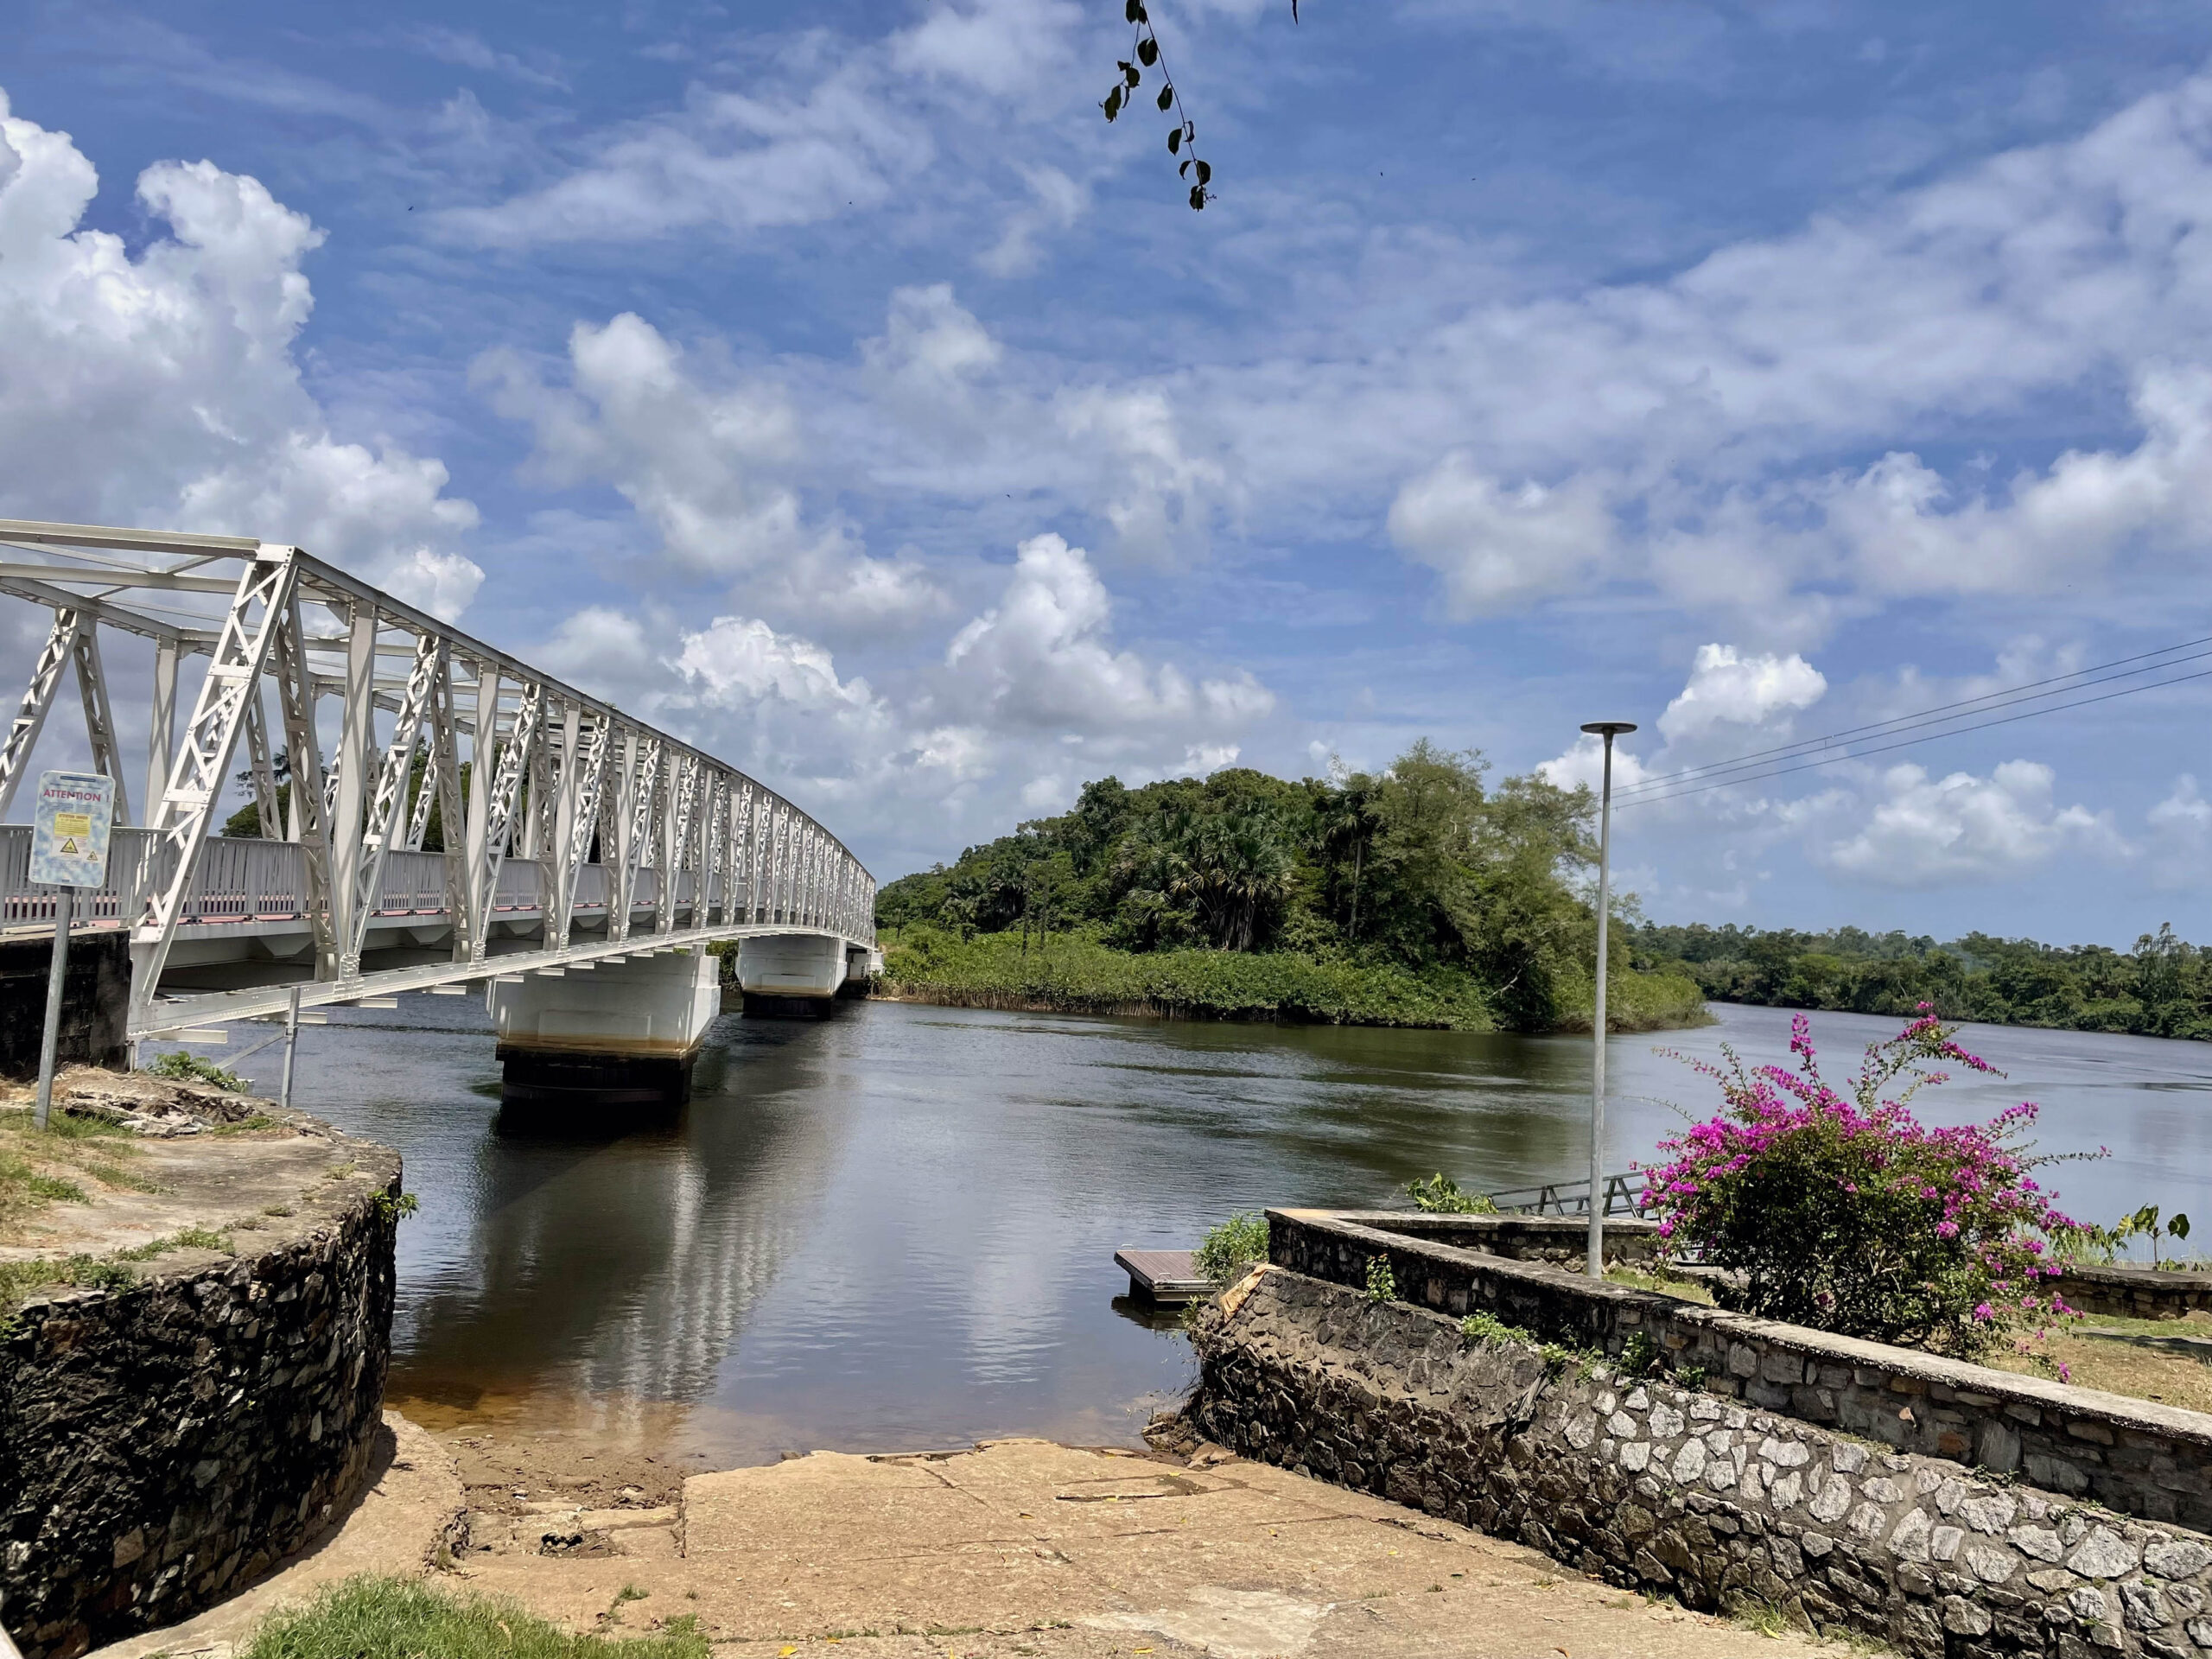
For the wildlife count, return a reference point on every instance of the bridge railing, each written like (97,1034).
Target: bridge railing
(243,879)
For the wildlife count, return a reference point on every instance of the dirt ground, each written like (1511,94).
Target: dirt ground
(1012,1547)
(139,1160)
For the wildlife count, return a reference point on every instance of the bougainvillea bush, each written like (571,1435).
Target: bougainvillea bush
(1841,1210)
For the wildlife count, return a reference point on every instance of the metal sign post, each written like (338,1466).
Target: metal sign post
(1608,729)
(69,836)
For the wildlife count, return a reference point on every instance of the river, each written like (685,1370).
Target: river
(894,1228)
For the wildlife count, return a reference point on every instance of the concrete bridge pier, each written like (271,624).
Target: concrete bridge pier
(795,975)
(620,1030)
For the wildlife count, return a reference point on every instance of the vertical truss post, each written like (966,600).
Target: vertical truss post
(308,821)
(426,792)
(358,734)
(615,844)
(553,896)
(262,773)
(579,786)
(676,809)
(241,650)
(636,843)
(388,807)
(488,842)
(783,885)
(162,729)
(732,857)
(483,751)
(445,761)
(100,719)
(534,827)
(38,700)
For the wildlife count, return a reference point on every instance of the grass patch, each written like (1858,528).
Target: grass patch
(189,1238)
(39,1168)
(389,1619)
(180,1067)
(2169,1378)
(246,1125)
(1655,1276)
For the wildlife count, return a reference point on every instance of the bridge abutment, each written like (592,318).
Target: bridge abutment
(626,1030)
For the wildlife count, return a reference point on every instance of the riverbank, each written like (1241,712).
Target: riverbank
(195,1311)
(1007,1547)
(1079,976)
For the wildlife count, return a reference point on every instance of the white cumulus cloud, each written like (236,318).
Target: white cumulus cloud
(163,390)
(1919,831)
(1042,657)
(1498,547)
(1728,688)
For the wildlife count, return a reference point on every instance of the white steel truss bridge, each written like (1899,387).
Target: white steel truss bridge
(571,834)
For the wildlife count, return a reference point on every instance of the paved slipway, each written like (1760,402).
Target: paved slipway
(1009,1548)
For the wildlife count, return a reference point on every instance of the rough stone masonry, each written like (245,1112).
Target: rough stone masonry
(163,1443)
(1666,1489)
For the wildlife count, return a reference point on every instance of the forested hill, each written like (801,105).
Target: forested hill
(2162,988)
(1421,894)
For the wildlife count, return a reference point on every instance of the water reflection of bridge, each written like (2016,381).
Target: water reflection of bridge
(621,1271)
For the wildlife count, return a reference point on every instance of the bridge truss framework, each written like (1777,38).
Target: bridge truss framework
(428,718)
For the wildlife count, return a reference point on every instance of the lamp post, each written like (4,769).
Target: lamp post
(1608,729)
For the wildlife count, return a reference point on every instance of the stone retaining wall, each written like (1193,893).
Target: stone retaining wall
(95,993)
(162,1443)
(1667,1489)
(2133,1292)
(1563,1240)
(2135,1457)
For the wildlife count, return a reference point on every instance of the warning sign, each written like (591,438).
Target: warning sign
(69,829)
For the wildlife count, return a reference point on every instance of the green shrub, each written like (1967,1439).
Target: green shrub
(1381,1283)
(1486,1327)
(1229,1251)
(389,1618)
(1441,1195)
(181,1067)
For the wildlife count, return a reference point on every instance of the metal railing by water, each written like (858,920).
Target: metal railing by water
(1623,1196)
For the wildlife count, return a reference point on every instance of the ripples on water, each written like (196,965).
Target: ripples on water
(895,1228)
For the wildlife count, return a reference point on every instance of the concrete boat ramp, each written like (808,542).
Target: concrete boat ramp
(1013,1547)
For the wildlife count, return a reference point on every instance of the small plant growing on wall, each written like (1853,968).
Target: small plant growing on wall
(1381,1283)
(1840,1210)
(1229,1251)
(1441,1195)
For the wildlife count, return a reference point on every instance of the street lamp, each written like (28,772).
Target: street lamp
(1608,729)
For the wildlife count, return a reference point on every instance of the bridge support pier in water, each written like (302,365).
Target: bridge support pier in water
(794,976)
(622,1031)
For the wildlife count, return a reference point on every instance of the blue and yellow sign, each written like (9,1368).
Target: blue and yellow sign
(69,829)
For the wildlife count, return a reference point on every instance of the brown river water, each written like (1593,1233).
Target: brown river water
(894,1228)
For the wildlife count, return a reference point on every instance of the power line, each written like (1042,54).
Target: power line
(1942,713)
(1697,783)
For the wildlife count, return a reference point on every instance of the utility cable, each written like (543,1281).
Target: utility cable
(1695,786)
(1942,713)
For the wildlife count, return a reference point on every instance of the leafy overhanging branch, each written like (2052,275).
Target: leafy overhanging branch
(1183,137)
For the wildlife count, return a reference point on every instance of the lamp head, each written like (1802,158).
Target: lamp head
(1608,727)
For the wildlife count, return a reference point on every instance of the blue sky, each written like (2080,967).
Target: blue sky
(835,384)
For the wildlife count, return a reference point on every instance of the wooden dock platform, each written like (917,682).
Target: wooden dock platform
(1163,1275)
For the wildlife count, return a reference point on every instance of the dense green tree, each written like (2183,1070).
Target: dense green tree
(1420,866)
(2161,988)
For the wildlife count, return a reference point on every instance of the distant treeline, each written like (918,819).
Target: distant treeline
(2162,988)
(1358,897)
